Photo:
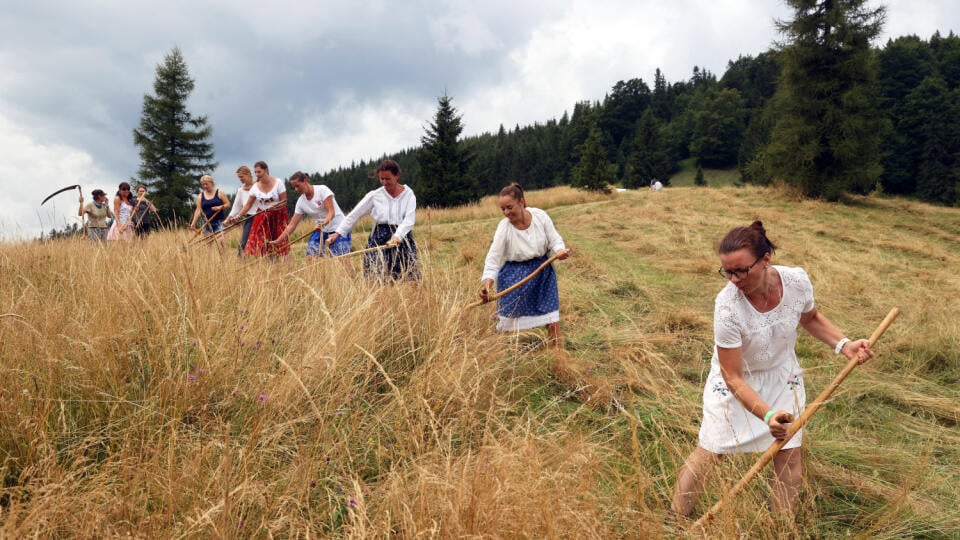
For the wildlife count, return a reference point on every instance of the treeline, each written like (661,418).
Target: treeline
(644,131)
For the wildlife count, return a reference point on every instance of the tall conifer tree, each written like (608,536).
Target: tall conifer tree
(593,172)
(174,145)
(826,135)
(443,179)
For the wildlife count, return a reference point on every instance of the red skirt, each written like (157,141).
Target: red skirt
(267,226)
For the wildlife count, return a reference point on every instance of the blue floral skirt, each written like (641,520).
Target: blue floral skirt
(341,246)
(535,303)
(399,263)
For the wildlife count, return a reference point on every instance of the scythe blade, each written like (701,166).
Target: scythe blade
(57,192)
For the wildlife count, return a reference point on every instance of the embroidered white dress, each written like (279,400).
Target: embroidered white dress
(768,343)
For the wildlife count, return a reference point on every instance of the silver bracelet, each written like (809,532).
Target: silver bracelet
(839,348)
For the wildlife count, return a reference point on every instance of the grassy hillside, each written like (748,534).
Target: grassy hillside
(160,390)
(714,177)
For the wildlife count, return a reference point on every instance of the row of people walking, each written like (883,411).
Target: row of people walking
(130,217)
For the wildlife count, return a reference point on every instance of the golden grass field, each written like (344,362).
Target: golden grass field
(159,390)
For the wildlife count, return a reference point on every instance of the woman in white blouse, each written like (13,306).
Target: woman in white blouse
(523,241)
(393,208)
(246,182)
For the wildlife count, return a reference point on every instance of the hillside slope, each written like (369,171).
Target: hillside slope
(162,390)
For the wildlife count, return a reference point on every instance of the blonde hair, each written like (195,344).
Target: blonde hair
(207,178)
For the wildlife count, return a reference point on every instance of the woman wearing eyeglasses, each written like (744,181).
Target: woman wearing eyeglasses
(755,386)
(122,228)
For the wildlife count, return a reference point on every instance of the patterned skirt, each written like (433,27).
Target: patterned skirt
(399,263)
(339,247)
(267,226)
(535,303)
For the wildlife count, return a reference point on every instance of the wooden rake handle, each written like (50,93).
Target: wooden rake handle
(516,285)
(771,452)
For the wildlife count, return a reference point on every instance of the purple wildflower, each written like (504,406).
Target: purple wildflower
(353,502)
(263,398)
(191,377)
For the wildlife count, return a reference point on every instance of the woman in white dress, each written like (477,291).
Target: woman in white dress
(122,228)
(755,386)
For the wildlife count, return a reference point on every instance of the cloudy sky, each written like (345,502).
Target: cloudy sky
(316,85)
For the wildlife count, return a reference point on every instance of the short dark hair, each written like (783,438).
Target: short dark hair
(98,193)
(262,165)
(753,238)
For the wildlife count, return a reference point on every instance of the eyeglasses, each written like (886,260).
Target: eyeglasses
(740,273)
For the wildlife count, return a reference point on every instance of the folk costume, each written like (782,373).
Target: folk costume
(267,224)
(515,254)
(392,216)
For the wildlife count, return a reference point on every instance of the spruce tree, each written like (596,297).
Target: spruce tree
(826,135)
(443,179)
(698,179)
(649,153)
(593,172)
(174,145)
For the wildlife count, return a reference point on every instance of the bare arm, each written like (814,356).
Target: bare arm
(225,200)
(821,328)
(328,204)
(294,221)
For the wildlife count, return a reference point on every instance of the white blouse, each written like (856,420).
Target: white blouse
(384,209)
(262,200)
(512,244)
(239,201)
(315,208)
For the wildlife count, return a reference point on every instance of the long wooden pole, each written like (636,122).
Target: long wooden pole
(239,222)
(205,223)
(794,427)
(516,285)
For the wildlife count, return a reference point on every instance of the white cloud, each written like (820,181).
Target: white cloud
(351,130)
(36,169)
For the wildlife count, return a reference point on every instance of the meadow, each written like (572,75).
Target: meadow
(164,390)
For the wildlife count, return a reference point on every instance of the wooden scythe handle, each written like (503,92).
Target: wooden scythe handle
(771,452)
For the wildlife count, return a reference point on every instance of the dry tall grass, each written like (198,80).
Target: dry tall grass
(157,390)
